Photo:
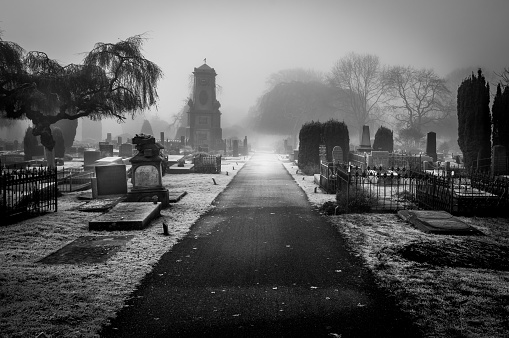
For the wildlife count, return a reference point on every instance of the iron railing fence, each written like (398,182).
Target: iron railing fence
(395,188)
(209,164)
(74,179)
(28,191)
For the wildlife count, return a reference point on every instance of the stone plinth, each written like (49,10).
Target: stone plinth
(126,216)
(365,145)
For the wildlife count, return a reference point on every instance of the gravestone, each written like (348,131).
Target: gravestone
(431,145)
(108,137)
(89,158)
(106,150)
(119,140)
(378,158)
(365,145)
(499,161)
(235,148)
(125,150)
(147,172)
(337,154)
(111,179)
(182,141)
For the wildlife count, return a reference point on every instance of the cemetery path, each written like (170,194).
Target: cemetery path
(261,264)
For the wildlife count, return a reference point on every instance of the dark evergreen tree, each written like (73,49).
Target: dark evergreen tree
(500,118)
(29,144)
(58,136)
(310,137)
(474,121)
(68,128)
(146,128)
(335,133)
(384,140)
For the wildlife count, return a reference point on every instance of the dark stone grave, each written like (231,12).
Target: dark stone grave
(365,145)
(437,222)
(111,179)
(106,150)
(89,157)
(127,216)
(87,250)
(431,145)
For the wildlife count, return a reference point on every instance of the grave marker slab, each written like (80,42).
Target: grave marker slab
(111,179)
(437,222)
(127,216)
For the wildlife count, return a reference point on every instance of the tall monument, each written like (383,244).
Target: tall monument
(204,118)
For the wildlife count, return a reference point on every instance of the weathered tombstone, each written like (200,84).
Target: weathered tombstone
(365,145)
(125,150)
(89,158)
(162,137)
(119,140)
(111,179)
(322,152)
(499,160)
(106,150)
(246,151)
(108,137)
(147,172)
(431,145)
(235,148)
(337,154)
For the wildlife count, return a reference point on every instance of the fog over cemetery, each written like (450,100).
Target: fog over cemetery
(269,168)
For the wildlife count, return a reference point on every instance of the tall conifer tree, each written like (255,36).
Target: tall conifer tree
(474,121)
(500,117)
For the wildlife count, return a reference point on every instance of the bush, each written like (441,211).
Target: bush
(310,169)
(359,201)
(335,133)
(310,137)
(384,140)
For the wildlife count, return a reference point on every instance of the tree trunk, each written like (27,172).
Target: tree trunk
(50,157)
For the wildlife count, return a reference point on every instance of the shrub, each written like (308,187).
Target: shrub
(335,133)
(384,140)
(310,137)
(29,144)
(359,201)
(311,169)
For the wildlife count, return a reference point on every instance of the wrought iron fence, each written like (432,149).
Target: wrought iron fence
(394,188)
(209,164)
(74,179)
(27,191)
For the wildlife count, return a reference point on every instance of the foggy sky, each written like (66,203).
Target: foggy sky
(247,41)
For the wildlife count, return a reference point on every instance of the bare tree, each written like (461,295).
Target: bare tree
(360,78)
(294,74)
(504,77)
(418,97)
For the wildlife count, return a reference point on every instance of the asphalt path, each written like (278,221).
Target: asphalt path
(262,263)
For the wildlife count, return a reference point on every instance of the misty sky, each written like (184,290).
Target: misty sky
(246,41)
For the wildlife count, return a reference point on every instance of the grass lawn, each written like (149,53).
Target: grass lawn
(75,300)
(452,286)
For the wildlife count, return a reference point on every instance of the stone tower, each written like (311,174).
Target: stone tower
(204,118)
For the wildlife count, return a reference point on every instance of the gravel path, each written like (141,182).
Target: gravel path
(261,264)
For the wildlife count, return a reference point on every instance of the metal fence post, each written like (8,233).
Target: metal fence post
(348,188)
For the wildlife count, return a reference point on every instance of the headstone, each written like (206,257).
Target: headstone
(337,154)
(182,141)
(111,179)
(162,137)
(365,145)
(125,150)
(108,137)
(106,150)
(431,145)
(235,148)
(245,152)
(322,152)
(119,140)
(89,158)
(499,161)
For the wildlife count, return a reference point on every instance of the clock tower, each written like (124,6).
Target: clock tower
(204,118)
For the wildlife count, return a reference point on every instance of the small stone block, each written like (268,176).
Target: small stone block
(127,216)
